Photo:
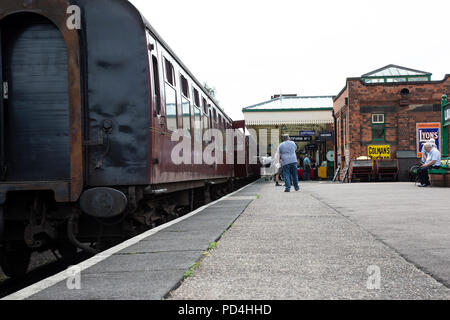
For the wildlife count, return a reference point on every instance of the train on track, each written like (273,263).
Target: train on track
(90,97)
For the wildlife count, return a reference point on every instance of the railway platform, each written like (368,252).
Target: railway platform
(327,241)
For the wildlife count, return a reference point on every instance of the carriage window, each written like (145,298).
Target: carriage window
(204,105)
(196,98)
(205,122)
(198,124)
(184,86)
(171,108)
(211,123)
(186,114)
(170,74)
(156,89)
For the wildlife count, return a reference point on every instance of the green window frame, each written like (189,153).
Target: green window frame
(378,125)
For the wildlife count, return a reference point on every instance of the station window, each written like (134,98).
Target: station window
(170,74)
(378,118)
(184,86)
(378,127)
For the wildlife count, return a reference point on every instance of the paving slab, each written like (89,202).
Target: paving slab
(413,221)
(142,285)
(296,246)
(153,266)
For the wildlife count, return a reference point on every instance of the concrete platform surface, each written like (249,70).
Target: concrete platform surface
(331,241)
(150,268)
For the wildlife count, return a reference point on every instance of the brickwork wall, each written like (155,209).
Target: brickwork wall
(421,105)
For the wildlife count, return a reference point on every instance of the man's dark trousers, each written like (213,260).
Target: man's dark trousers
(422,173)
(290,172)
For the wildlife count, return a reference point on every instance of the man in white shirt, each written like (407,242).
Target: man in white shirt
(433,160)
(424,153)
(288,160)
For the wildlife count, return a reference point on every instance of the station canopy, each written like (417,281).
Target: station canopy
(290,109)
(394,73)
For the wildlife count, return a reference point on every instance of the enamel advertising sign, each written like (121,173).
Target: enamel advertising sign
(426,131)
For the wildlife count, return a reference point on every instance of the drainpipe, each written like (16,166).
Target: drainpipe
(444,129)
(335,142)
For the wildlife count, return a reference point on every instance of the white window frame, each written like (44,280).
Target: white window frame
(376,118)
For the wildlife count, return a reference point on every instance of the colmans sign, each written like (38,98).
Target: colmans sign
(379,151)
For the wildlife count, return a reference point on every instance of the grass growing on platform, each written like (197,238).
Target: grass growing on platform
(212,245)
(190,271)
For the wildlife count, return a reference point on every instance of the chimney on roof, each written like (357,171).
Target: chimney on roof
(275,96)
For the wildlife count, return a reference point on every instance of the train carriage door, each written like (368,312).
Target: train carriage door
(157,114)
(154,75)
(35,102)
(2,123)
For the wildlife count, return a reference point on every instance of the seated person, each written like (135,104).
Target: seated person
(433,160)
(424,154)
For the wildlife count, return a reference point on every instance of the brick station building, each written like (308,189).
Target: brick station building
(382,108)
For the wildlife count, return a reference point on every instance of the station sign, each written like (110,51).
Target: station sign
(307,133)
(447,115)
(301,138)
(326,135)
(379,151)
(426,131)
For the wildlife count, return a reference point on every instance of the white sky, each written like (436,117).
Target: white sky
(250,50)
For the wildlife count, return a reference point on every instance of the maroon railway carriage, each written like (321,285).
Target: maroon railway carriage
(87,113)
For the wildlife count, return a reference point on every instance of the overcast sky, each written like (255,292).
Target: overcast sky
(250,50)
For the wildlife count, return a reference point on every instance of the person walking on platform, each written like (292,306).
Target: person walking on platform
(306,168)
(433,160)
(288,160)
(278,169)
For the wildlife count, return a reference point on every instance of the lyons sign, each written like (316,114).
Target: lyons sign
(427,131)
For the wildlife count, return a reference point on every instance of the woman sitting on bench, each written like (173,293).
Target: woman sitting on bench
(432,161)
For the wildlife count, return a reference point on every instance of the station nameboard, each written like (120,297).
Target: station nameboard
(426,131)
(307,133)
(379,151)
(301,138)
(326,135)
(447,115)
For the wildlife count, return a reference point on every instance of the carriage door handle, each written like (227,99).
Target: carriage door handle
(5,90)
